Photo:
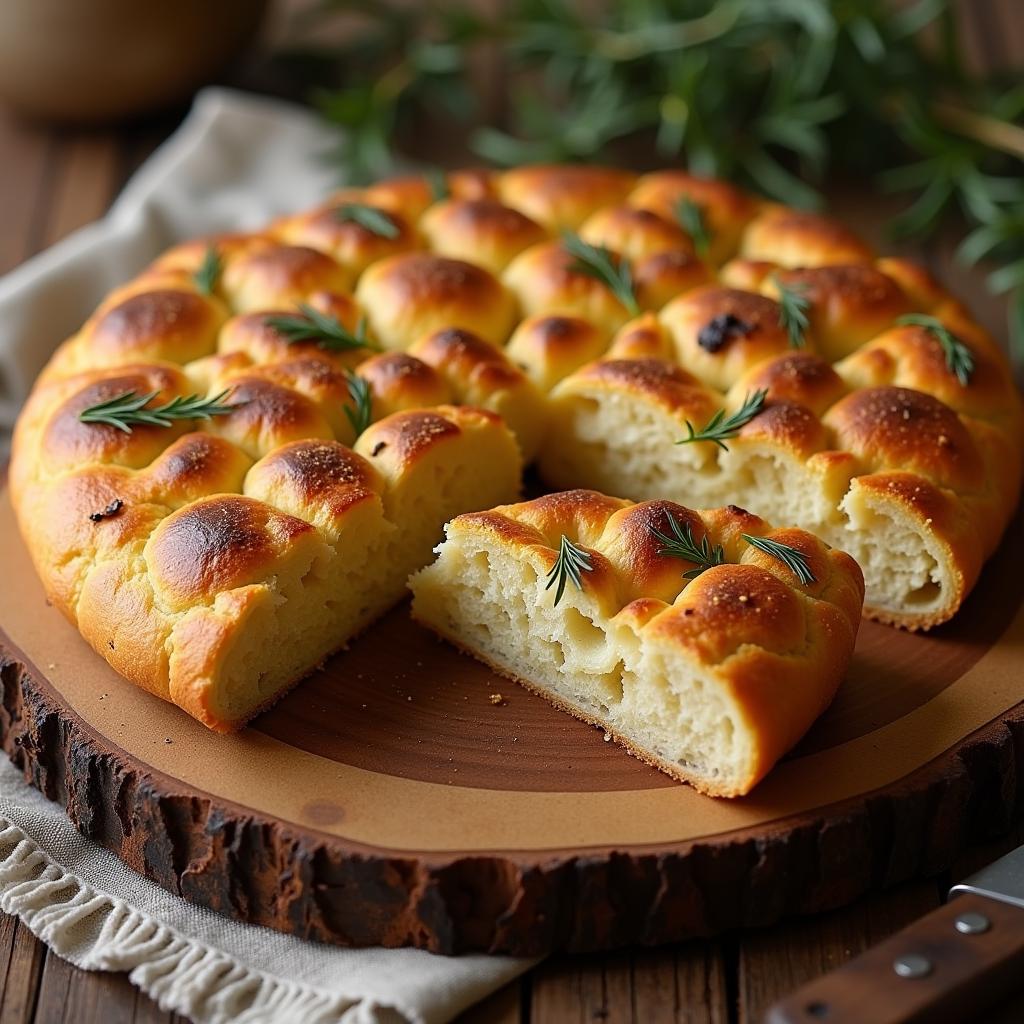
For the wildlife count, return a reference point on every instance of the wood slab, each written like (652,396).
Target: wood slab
(390,800)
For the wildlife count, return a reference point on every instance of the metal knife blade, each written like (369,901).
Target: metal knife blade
(1001,880)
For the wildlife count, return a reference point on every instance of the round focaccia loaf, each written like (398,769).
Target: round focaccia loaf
(399,298)
(709,668)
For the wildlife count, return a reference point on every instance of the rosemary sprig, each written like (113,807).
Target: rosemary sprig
(326,330)
(793,306)
(682,545)
(615,273)
(721,427)
(130,408)
(570,564)
(795,561)
(208,274)
(375,221)
(438,181)
(360,412)
(959,358)
(693,221)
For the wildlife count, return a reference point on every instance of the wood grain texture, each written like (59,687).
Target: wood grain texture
(22,958)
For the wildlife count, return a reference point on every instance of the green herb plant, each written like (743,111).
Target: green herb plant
(774,94)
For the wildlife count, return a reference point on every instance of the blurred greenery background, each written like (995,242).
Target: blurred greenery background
(775,94)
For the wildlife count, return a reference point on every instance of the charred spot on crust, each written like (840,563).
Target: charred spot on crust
(219,543)
(720,330)
(109,512)
(378,448)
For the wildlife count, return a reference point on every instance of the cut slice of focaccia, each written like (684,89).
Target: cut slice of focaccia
(706,643)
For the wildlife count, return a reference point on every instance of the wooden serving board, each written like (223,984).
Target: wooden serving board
(392,798)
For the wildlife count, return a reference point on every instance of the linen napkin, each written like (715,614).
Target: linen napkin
(236,161)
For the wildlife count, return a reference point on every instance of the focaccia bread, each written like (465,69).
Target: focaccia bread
(398,297)
(701,652)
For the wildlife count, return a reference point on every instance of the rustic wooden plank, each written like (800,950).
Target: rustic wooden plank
(773,963)
(504,1007)
(690,978)
(25,155)
(1002,33)
(685,984)
(147,1011)
(53,989)
(84,183)
(91,997)
(21,964)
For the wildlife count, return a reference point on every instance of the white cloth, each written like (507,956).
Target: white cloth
(235,161)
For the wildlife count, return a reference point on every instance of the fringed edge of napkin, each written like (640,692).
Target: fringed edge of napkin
(180,974)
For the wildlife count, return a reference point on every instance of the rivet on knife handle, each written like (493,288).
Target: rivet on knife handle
(950,964)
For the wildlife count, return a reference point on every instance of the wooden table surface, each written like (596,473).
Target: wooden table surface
(52,182)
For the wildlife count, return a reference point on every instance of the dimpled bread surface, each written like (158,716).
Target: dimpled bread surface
(233,562)
(711,679)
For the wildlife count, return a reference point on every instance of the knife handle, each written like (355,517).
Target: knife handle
(947,966)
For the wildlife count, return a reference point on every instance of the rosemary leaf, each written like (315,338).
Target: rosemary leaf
(693,221)
(720,427)
(326,330)
(959,358)
(208,274)
(360,412)
(615,273)
(795,561)
(793,306)
(129,408)
(570,564)
(438,181)
(375,221)
(682,545)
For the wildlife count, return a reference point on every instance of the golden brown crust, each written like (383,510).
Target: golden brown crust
(218,544)
(546,281)
(900,429)
(634,232)
(407,296)
(274,276)
(562,196)
(798,376)
(400,381)
(720,333)
(849,304)
(660,383)
(726,210)
(162,324)
(482,231)
(548,348)
(796,238)
(328,229)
